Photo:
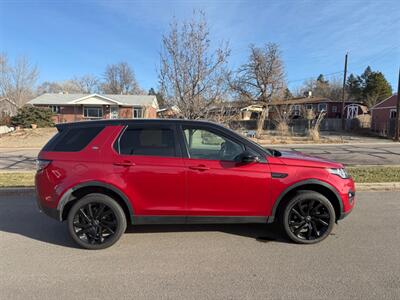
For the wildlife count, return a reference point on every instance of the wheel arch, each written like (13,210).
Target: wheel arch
(80,190)
(309,185)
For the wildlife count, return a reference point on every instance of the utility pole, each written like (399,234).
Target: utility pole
(343,92)
(397,133)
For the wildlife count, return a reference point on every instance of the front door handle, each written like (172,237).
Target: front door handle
(124,163)
(199,168)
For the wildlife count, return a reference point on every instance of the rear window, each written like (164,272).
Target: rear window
(147,142)
(73,140)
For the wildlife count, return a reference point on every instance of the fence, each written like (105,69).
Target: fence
(386,128)
(300,126)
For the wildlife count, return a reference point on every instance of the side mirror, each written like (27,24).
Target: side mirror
(247,157)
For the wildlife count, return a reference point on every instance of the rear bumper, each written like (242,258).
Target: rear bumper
(51,212)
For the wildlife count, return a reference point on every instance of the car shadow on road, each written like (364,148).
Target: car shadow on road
(19,215)
(260,232)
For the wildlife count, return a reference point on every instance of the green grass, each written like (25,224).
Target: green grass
(360,175)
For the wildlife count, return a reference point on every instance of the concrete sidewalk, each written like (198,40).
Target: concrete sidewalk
(349,154)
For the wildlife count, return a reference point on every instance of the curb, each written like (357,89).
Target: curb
(378,186)
(360,187)
(17,190)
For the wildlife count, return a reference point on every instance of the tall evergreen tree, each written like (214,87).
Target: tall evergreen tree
(376,89)
(288,94)
(354,87)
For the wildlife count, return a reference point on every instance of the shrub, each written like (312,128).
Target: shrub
(28,115)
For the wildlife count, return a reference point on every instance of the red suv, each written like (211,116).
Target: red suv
(101,175)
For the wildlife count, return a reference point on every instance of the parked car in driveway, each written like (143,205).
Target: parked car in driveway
(100,175)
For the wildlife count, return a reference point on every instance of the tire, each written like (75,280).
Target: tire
(96,221)
(308,217)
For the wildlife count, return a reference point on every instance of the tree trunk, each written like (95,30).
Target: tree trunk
(261,121)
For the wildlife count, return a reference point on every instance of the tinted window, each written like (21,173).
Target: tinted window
(147,141)
(75,139)
(204,144)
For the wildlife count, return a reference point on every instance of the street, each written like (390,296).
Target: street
(360,260)
(13,159)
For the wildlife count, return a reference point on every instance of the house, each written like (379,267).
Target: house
(383,116)
(79,107)
(297,106)
(8,108)
(169,112)
(333,108)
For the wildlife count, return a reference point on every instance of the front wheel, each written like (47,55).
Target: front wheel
(96,221)
(308,217)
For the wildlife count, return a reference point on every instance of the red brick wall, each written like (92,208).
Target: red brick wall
(75,113)
(381,114)
(125,112)
(151,112)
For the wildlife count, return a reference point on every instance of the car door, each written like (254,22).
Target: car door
(217,184)
(149,160)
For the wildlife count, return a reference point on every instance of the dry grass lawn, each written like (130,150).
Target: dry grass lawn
(27,138)
(360,175)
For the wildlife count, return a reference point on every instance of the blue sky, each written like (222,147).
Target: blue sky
(68,38)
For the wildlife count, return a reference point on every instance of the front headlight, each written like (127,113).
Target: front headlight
(339,172)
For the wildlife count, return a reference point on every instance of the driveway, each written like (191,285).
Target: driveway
(360,260)
(349,154)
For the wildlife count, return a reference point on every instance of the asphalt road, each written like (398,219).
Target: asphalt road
(360,260)
(14,159)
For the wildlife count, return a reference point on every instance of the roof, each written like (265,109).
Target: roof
(307,100)
(9,101)
(389,102)
(71,99)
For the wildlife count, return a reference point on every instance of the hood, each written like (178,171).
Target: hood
(294,158)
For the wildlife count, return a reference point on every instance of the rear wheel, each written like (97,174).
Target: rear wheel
(96,221)
(308,217)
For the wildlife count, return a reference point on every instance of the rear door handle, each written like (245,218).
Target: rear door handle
(199,168)
(124,163)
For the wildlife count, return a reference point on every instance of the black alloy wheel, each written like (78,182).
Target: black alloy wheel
(308,218)
(96,221)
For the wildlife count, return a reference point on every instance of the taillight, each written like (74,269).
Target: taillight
(41,164)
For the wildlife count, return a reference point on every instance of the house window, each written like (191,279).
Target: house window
(322,107)
(55,109)
(137,112)
(393,114)
(309,106)
(334,108)
(92,112)
(296,110)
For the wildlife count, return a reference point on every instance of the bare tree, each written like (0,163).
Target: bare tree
(261,79)
(120,79)
(87,84)
(283,115)
(17,81)
(191,75)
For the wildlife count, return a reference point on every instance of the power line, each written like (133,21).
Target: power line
(327,74)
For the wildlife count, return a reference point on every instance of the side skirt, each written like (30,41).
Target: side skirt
(138,220)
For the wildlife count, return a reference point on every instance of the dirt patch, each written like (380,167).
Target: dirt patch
(27,138)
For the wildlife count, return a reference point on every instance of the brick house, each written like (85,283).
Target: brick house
(383,115)
(80,107)
(297,106)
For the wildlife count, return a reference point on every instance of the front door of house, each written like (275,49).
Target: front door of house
(114,112)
